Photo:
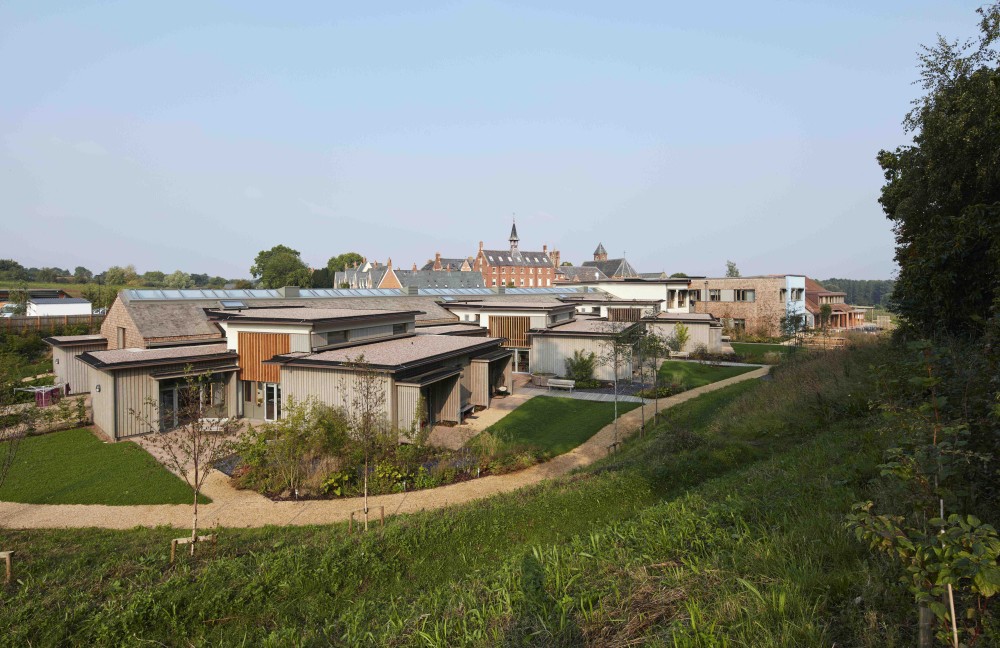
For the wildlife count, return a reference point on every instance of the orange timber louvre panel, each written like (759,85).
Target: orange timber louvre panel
(513,327)
(255,348)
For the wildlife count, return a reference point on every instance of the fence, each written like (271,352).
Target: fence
(48,323)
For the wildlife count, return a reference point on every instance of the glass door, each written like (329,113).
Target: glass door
(272,401)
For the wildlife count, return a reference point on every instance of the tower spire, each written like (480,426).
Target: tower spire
(513,234)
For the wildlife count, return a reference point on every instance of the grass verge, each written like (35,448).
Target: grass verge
(553,425)
(75,467)
(695,374)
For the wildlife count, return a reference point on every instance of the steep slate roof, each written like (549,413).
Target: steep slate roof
(517,258)
(581,273)
(600,249)
(613,268)
(440,278)
(454,263)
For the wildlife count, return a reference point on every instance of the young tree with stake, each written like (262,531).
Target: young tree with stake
(369,424)
(190,438)
(616,352)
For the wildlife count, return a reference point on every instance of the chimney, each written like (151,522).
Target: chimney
(545,248)
(437,260)
(389,263)
(554,255)
(480,246)
(414,266)
(289,291)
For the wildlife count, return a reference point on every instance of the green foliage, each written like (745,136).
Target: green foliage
(696,374)
(119,276)
(285,455)
(280,266)
(765,353)
(722,526)
(75,467)
(942,192)
(678,337)
(861,292)
(581,366)
(11,270)
(343,261)
(731,269)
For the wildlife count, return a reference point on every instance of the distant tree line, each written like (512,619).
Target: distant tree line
(862,292)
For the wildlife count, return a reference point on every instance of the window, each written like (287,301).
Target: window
(398,329)
(744,295)
(494,282)
(336,337)
(739,325)
(782,294)
(714,294)
(121,337)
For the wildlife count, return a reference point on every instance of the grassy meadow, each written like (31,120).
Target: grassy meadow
(695,374)
(722,526)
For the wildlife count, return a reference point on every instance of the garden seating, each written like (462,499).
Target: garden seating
(561,383)
(214,424)
(680,354)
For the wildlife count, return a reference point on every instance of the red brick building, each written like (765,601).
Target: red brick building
(515,267)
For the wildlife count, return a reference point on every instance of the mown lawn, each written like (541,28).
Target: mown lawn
(555,425)
(753,352)
(696,374)
(722,526)
(75,467)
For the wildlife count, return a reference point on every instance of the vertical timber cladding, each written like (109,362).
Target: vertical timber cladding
(624,314)
(513,327)
(255,348)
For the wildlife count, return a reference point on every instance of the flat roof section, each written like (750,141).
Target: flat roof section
(133,357)
(63,341)
(296,315)
(587,326)
(396,353)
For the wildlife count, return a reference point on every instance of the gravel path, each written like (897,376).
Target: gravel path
(235,508)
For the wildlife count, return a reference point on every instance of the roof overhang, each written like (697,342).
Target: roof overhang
(90,360)
(429,378)
(82,340)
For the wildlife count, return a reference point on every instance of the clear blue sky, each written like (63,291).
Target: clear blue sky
(192,134)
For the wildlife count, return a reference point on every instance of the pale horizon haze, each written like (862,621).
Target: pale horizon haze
(193,135)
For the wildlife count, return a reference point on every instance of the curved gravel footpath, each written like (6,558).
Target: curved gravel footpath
(235,508)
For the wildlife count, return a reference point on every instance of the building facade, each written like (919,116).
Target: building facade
(754,305)
(515,267)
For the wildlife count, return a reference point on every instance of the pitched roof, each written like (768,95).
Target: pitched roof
(613,268)
(517,258)
(513,232)
(455,263)
(440,279)
(581,273)
(600,249)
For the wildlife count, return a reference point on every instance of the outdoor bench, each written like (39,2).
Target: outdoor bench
(561,383)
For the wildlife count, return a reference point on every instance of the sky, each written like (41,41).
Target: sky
(191,135)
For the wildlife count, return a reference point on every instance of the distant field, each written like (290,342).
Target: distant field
(75,467)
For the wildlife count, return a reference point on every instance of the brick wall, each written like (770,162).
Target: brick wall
(118,317)
(763,315)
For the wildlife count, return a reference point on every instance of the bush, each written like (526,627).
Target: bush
(581,366)
(662,391)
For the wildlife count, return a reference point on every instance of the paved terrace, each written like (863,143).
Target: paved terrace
(235,508)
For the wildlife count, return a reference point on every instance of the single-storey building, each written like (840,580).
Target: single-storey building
(39,307)
(552,346)
(703,329)
(72,374)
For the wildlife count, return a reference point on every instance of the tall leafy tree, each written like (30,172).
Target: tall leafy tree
(341,261)
(82,275)
(731,269)
(280,266)
(942,192)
